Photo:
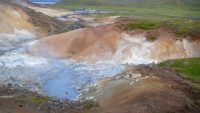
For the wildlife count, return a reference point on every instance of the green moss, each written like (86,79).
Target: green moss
(88,104)
(38,100)
(161,8)
(190,67)
(143,25)
(181,27)
(20,97)
(72,52)
(196,87)
(151,38)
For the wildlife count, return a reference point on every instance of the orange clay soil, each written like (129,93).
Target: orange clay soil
(80,44)
(12,17)
(106,42)
(157,91)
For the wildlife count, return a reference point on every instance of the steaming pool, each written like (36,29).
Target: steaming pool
(47,75)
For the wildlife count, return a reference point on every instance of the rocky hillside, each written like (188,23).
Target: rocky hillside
(15,16)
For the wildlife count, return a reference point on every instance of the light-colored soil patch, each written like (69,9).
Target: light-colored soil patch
(106,43)
(157,91)
(13,18)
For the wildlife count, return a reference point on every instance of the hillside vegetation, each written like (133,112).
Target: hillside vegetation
(182,28)
(166,8)
(189,67)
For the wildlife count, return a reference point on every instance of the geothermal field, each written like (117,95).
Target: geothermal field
(84,57)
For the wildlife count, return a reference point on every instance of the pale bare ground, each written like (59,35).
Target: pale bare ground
(13,18)
(52,12)
(157,90)
(108,44)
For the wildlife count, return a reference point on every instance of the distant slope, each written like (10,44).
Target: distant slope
(167,8)
(44,0)
(13,16)
(133,2)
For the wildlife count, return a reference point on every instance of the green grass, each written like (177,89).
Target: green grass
(151,38)
(184,27)
(88,105)
(143,25)
(38,100)
(178,15)
(164,8)
(181,27)
(189,67)
(32,98)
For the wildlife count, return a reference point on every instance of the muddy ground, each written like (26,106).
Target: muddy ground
(140,89)
(17,100)
(146,89)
